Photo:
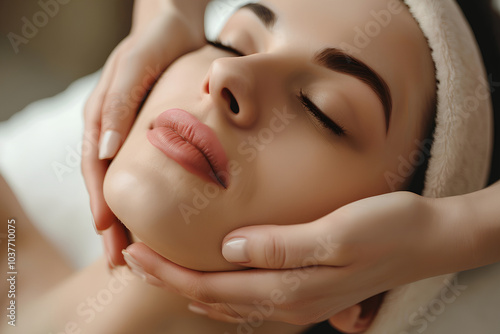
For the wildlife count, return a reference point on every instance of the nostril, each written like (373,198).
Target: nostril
(206,87)
(233,104)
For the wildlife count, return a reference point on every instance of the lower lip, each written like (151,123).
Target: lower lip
(168,136)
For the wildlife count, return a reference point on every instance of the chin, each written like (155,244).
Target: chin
(152,214)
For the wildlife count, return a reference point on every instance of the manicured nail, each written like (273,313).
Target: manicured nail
(137,269)
(198,310)
(235,251)
(111,265)
(134,265)
(95,227)
(109,144)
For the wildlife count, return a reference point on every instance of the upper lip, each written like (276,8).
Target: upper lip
(201,136)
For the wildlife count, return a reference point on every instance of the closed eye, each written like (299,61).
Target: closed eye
(321,116)
(219,45)
(316,112)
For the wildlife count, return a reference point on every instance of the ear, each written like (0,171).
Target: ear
(357,318)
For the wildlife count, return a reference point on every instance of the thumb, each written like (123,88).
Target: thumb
(282,247)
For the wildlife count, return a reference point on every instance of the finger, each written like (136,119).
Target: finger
(210,312)
(95,171)
(136,72)
(92,168)
(115,240)
(305,297)
(297,296)
(239,287)
(266,310)
(255,314)
(284,247)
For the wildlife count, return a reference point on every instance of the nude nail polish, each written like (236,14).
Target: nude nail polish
(235,251)
(137,269)
(95,227)
(196,309)
(111,265)
(134,266)
(109,144)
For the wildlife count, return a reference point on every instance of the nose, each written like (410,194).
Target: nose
(231,83)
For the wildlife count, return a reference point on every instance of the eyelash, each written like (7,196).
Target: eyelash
(303,98)
(219,45)
(320,116)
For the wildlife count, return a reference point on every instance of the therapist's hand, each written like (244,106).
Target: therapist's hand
(160,33)
(312,271)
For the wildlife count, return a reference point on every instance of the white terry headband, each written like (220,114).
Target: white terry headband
(461,152)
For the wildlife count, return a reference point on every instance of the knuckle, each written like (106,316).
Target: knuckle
(87,111)
(199,292)
(275,252)
(296,304)
(131,59)
(90,111)
(116,109)
(128,56)
(120,49)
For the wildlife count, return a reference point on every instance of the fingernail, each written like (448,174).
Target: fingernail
(235,251)
(134,265)
(197,310)
(111,265)
(109,144)
(136,268)
(95,227)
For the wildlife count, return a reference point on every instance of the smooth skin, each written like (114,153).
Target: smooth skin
(129,73)
(344,270)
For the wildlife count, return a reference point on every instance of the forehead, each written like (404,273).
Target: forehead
(357,23)
(376,31)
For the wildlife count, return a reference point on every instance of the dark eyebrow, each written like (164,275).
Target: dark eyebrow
(339,61)
(266,15)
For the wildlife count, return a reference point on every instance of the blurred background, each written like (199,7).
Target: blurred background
(65,42)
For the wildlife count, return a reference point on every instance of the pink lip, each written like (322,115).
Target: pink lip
(192,144)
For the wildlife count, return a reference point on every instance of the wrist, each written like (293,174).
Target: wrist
(439,247)
(469,230)
(484,222)
(460,235)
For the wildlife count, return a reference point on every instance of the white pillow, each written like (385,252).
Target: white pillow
(40,159)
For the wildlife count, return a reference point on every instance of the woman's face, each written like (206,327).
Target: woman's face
(329,98)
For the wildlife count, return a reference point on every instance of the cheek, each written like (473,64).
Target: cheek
(298,179)
(184,76)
